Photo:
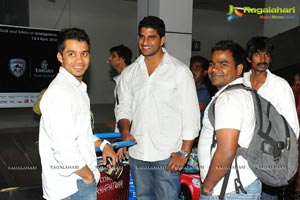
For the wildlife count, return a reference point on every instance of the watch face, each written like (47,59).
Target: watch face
(184,153)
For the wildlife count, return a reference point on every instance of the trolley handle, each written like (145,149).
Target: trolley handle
(115,145)
(108,135)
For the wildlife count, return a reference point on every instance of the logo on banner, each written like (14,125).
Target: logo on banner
(43,71)
(17,67)
(44,64)
(235,12)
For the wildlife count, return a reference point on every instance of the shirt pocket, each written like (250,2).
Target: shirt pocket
(164,92)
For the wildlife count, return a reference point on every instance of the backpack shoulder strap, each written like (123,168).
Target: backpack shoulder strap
(211,117)
(211,109)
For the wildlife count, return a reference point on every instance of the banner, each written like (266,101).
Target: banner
(114,190)
(28,64)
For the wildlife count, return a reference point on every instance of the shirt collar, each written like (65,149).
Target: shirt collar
(72,79)
(236,81)
(247,75)
(166,58)
(116,78)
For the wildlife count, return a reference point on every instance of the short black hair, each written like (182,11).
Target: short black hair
(238,53)
(71,34)
(123,52)
(259,43)
(155,23)
(200,59)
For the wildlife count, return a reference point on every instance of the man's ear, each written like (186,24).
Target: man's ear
(59,57)
(248,59)
(162,41)
(240,70)
(123,59)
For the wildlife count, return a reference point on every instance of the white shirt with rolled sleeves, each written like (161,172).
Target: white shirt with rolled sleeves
(163,107)
(277,90)
(66,140)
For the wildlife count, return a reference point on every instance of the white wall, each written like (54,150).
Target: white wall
(113,22)
(275,26)
(108,23)
(211,26)
(177,16)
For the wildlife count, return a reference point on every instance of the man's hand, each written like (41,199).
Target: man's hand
(128,136)
(108,152)
(177,162)
(122,152)
(86,174)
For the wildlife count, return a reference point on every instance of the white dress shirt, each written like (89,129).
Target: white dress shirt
(117,81)
(163,107)
(66,141)
(277,90)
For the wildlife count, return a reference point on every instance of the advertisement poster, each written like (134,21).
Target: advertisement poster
(28,64)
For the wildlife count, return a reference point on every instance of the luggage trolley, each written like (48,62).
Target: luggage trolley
(116,182)
(122,187)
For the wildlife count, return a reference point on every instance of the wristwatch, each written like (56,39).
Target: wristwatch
(184,153)
(205,193)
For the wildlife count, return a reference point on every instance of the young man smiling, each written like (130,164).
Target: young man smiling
(234,125)
(158,108)
(66,141)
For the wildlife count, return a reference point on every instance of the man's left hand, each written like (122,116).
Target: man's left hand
(177,162)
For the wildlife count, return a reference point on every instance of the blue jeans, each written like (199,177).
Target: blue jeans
(253,193)
(85,191)
(153,181)
(266,196)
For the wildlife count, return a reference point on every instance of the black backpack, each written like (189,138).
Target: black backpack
(272,154)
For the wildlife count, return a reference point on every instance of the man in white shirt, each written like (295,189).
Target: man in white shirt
(273,88)
(234,125)
(66,141)
(119,58)
(158,109)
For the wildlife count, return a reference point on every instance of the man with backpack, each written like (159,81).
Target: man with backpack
(233,126)
(273,88)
